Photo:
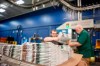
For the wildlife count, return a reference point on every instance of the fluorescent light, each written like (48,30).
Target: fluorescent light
(2,10)
(43,5)
(3,6)
(38,0)
(36,8)
(19,2)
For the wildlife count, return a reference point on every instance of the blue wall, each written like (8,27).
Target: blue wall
(96,16)
(40,22)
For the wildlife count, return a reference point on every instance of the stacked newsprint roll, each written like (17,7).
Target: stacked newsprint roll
(1,49)
(17,52)
(42,54)
(58,54)
(28,53)
(48,54)
(11,51)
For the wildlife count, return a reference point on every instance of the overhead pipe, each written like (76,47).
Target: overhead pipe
(79,8)
(31,5)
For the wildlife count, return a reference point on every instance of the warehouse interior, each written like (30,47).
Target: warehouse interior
(20,20)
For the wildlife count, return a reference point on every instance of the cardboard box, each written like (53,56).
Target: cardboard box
(76,58)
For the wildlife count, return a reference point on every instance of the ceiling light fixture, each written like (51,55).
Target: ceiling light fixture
(22,3)
(19,2)
(36,8)
(2,10)
(3,6)
(38,0)
(43,5)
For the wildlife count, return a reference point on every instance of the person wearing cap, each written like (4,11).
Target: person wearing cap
(83,43)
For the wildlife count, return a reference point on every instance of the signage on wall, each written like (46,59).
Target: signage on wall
(67,25)
(72,24)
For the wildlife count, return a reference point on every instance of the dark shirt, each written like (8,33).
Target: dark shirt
(86,46)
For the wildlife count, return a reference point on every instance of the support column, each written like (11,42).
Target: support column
(79,13)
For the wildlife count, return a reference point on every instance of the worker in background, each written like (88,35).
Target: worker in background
(54,33)
(53,36)
(83,44)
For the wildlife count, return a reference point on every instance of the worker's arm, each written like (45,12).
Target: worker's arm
(49,39)
(80,41)
(74,44)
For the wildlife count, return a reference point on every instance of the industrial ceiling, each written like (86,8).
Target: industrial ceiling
(13,8)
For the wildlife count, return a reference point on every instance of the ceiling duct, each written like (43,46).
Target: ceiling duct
(31,5)
(79,8)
